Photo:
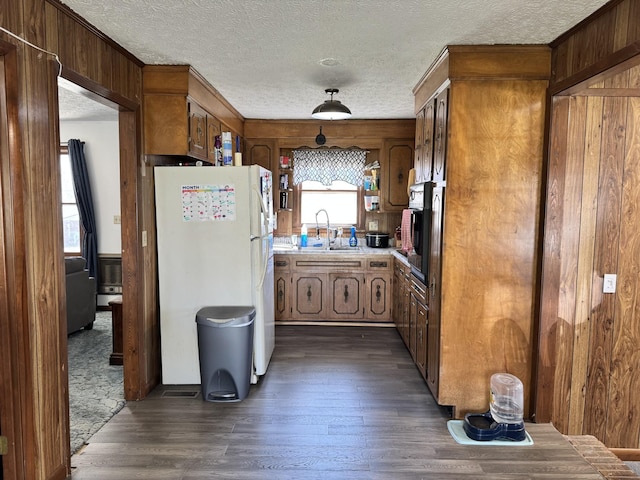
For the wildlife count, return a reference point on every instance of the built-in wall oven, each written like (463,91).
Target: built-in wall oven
(420,196)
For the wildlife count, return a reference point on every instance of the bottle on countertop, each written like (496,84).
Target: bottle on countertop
(303,236)
(217,145)
(353,241)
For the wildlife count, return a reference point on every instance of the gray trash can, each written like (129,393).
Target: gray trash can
(225,347)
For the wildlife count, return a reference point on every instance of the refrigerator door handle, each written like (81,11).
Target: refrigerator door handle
(266,225)
(263,207)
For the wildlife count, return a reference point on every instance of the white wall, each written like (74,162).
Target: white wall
(101,149)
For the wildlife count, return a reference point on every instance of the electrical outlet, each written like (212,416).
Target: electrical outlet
(373,225)
(144,238)
(117,220)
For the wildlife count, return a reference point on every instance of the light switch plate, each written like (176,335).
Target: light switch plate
(609,284)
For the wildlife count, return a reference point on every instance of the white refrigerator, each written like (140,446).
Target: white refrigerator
(215,248)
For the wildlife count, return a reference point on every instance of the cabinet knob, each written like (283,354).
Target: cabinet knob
(346,293)
(309,293)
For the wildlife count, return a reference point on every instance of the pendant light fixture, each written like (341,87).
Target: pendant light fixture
(331,109)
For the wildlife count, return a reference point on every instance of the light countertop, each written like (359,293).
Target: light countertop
(359,250)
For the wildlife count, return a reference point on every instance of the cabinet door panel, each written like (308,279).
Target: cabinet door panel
(440,135)
(398,279)
(309,295)
(281,282)
(197,131)
(419,154)
(427,145)
(406,299)
(413,308)
(421,339)
(261,152)
(396,164)
(379,298)
(346,295)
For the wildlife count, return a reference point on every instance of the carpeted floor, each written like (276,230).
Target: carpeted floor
(96,390)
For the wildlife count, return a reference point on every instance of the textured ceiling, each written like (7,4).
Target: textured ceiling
(273,59)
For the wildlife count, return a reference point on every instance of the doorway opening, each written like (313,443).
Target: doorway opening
(96,124)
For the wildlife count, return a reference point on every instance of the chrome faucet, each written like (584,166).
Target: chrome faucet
(328,227)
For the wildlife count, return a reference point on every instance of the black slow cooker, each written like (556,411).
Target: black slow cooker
(377,239)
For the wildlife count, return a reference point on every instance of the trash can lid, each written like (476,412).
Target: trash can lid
(225,316)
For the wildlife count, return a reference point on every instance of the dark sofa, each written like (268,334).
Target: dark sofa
(81,295)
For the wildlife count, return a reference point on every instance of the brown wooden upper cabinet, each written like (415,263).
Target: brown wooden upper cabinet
(395,163)
(431,139)
(182,113)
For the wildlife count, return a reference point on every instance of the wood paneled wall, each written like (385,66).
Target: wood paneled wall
(589,354)
(33,383)
(607,38)
(265,138)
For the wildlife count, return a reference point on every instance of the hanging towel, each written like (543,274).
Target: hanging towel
(405,231)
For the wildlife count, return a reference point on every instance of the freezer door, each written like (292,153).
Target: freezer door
(262,187)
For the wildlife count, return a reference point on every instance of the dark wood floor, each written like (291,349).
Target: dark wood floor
(337,403)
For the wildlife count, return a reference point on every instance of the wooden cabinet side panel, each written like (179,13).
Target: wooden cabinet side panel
(493,159)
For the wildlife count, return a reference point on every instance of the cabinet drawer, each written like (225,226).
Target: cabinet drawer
(379,264)
(419,290)
(281,263)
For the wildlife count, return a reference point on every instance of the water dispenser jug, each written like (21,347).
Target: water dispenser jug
(507,398)
(504,420)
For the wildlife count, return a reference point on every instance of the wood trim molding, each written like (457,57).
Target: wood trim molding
(617,62)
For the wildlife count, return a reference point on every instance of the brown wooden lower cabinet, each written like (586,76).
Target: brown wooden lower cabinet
(309,299)
(410,314)
(282,288)
(346,296)
(401,298)
(333,287)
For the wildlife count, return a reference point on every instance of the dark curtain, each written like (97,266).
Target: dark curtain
(84,201)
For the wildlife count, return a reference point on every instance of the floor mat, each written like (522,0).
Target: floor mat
(456,430)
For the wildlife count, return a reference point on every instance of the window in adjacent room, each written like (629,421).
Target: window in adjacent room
(70,216)
(329,179)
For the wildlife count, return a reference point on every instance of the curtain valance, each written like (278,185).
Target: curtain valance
(327,165)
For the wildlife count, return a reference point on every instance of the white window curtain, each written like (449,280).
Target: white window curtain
(325,166)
